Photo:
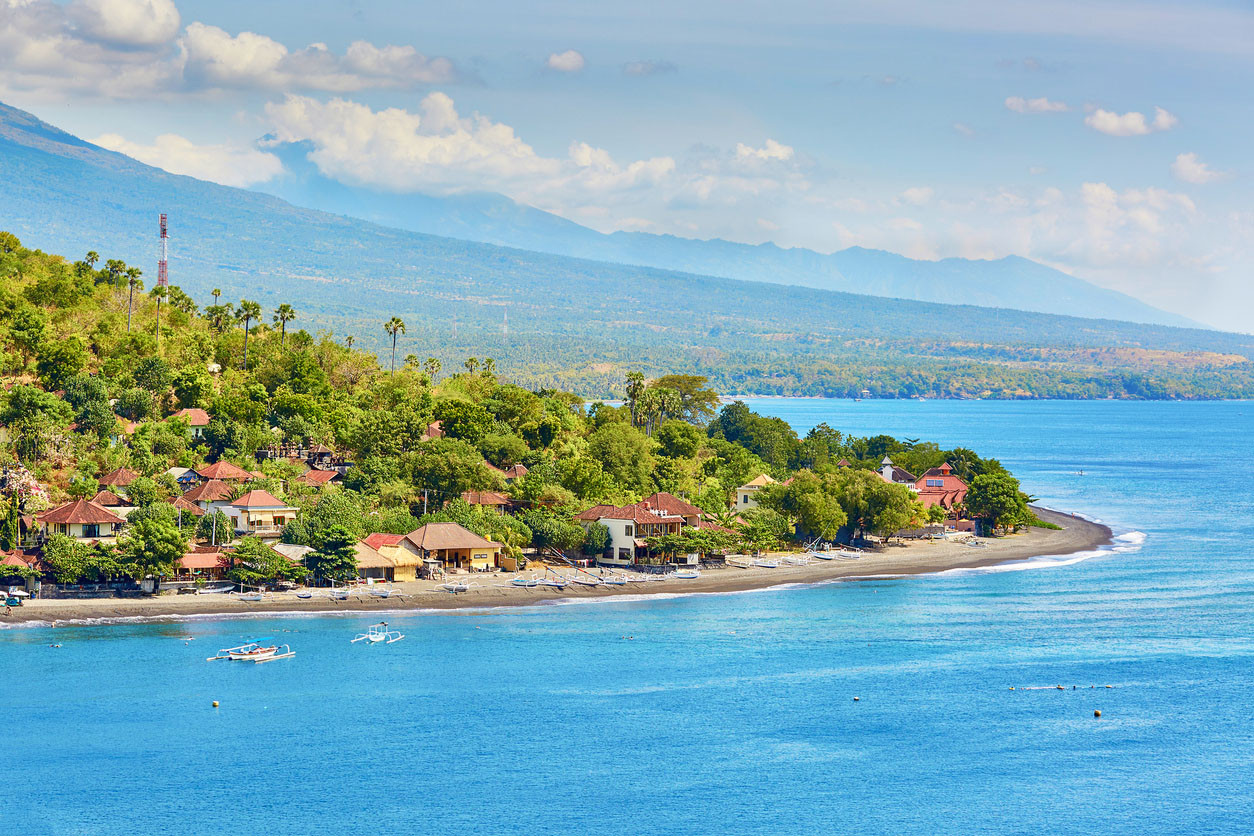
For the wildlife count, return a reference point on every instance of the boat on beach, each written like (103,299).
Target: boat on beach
(455,587)
(686,574)
(763,563)
(216,588)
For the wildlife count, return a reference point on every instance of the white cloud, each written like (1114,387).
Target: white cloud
(223,164)
(964,129)
(1041,105)
(570,61)
(1132,123)
(128,23)
(772,150)
(917,196)
(1189,169)
(133,49)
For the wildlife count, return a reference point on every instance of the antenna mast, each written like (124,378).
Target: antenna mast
(163,270)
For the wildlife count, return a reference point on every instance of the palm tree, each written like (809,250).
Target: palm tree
(489,366)
(216,294)
(247,311)
(471,364)
(132,280)
(92,258)
(348,341)
(284,314)
(394,326)
(431,366)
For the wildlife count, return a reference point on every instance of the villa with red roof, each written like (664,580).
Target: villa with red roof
(197,421)
(317,478)
(118,480)
(939,486)
(210,495)
(491,500)
(629,526)
(260,514)
(226,472)
(83,520)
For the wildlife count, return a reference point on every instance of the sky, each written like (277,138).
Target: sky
(1107,138)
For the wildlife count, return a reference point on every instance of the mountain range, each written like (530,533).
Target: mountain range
(1010,282)
(556,320)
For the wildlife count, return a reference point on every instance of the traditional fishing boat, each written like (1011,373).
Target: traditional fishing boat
(377,633)
(556,583)
(614,580)
(384,592)
(254,651)
(216,588)
(256,595)
(821,556)
(525,583)
(455,586)
(795,560)
(686,574)
(304,594)
(763,563)
(337,594)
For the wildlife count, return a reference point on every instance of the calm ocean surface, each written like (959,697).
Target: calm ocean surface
(722,714)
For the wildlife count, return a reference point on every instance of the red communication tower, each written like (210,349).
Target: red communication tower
(163,270)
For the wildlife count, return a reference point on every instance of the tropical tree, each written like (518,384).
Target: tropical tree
(395,327)
(335,558)
(132,281)
(431,366)
(284,314)
(216,294)
(247,311)
(153,547)
(348,341)
(997,499)
(471,364)
(635,389)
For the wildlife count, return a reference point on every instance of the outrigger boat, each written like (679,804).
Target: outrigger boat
(614,580)
(821,556)
(252,596)
(379,633)
(304,594)
(525,583)
(766,564)
(686,574)
(795,560)
(254,652)
(336,594)
(216,588)
(384,592)
(455,587)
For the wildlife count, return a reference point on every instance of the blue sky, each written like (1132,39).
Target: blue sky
(1109,139)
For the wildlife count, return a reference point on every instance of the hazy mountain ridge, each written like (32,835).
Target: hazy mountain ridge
(1009,282)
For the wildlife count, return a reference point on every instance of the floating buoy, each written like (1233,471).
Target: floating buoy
(1097,713)
(856,699)
(215,703)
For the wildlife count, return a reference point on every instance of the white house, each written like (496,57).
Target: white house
(260,514)
(746,493)
(629,526)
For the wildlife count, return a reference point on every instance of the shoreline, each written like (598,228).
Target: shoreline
(914,558)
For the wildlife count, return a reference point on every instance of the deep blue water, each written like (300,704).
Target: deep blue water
(722,714)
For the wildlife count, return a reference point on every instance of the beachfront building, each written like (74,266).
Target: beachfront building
(206,563)
(894,475)
(453,547)
(260,514)
(197,422)
(629,527)
(371,563)
(939,486)
(671,505)
(83,520)
(746,493)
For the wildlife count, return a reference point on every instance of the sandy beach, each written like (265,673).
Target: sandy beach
(489,590)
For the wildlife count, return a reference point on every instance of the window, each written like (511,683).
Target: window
(745,499)
(936,483)
(627,531)
(91,530)
(280,521)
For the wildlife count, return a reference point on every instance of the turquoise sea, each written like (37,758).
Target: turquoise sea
(721,714)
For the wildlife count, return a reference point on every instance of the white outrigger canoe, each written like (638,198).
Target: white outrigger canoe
(377,633)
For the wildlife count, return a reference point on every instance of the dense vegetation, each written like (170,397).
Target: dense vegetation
(582,325)
(94,366)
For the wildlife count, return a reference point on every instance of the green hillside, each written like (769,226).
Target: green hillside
(581,324)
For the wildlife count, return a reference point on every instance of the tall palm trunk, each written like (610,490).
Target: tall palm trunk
(245,343)
(130,300)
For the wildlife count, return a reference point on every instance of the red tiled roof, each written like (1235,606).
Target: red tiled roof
(79,512)
(435,430)
(636,513)
(317,478)
(107,499)
(119,478)
(195,417)
(713,526)
(203,560)
(485,498)
(493,467)
(211,491)
(379,541)
(183,505)
(320,448)
(670,504)
(517,471)
(19,559)
(224,470)
(258,499)
(843,463)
